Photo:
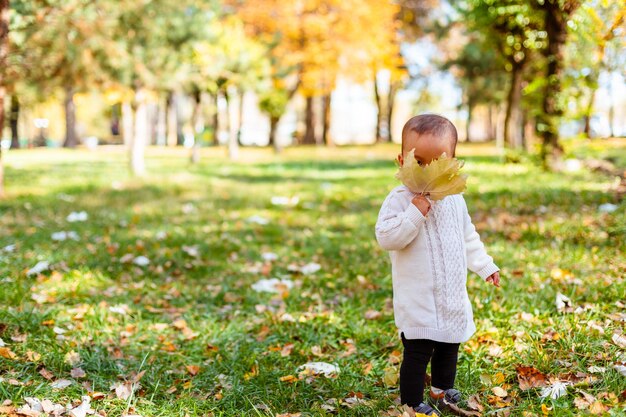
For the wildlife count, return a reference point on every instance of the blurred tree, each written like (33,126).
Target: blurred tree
(478,68)
(64,45)
(556,15)
(513,29)
(4,52)
(230,61)
(273,102)
(14,113)
(595,30)
(152,38)
(313,43)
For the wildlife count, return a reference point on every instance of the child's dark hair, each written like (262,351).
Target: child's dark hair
(431,124)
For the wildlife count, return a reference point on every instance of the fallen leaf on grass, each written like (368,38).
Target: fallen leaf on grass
(372,314)
(77,216)
(554,391)
(123,390)
(46,374)
(61,383)
(310,268)
(273,285)
(77,373)
(461,412)
(38,268)
(529,377)
(83,409)
(284,201)
(390,377)
(562,302)
(258,220)
(499,392)
(319,368)
(63,235)
(192,369)
(269,256)
(473,402)
(7,353)
(619,340)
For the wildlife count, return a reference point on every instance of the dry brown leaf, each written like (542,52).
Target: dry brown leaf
(287,349)
(192,369)
(395,357)
(5,352)
(461,412)
(439,178)
(597,408)
(372,314)
(46,374)
(529,377)
(473,402)
(499,392)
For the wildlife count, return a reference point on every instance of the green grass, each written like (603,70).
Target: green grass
(543,229)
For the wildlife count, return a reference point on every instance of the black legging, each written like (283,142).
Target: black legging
(417,354)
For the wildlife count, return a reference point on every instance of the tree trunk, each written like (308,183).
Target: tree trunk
(138,138)
(379,108)
(326,101)
(4,52)
(589,112)
(272,140)
(309,120)
(216,119)
(14,117)
(242,95)
(233,145)
(512,120)
(71,139)
(127,123)
(556,16)
(468,122)
(490,128)
(198,127)
(391,98)
(161,129)
(171,119)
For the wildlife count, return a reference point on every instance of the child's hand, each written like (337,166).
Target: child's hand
(494,279)
(422,203)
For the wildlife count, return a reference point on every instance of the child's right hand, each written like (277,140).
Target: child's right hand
(422,203)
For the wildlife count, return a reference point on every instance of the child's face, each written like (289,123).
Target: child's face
(426,147)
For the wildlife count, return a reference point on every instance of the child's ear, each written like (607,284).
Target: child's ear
(400,160)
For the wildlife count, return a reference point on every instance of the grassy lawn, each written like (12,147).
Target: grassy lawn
(187,335)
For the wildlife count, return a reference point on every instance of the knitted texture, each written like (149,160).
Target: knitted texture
(445,247)
(430,257)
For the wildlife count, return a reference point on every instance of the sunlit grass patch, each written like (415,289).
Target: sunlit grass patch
(160,279)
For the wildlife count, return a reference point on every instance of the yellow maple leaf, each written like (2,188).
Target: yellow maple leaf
(438,179)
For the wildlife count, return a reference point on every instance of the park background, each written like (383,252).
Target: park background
(189,191)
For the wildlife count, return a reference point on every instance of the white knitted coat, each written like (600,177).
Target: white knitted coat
(430,257)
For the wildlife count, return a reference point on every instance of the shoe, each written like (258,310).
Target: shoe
(446,400)
(424,408)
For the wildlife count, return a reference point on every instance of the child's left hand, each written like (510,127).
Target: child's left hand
(494,278)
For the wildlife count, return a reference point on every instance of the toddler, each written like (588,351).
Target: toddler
(432,244)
